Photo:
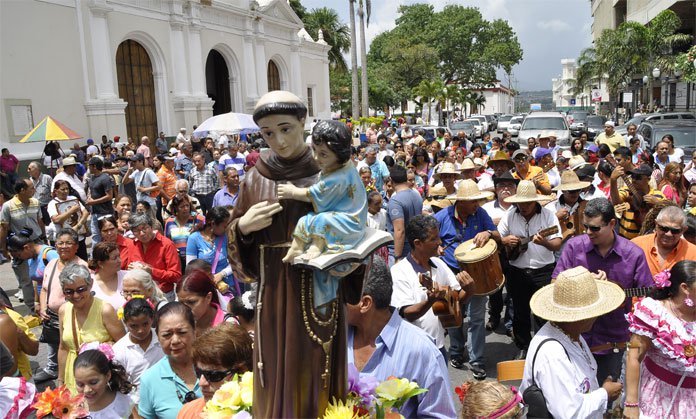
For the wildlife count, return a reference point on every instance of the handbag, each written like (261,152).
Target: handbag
(533,395)
(50,332)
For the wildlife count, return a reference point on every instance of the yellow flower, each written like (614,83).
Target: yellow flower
(338,410)
(395,388)
(247,389)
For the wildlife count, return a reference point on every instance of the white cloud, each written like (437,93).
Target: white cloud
(555,25)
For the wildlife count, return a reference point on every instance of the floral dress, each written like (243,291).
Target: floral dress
(672,355)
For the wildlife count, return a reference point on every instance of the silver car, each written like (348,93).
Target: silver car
(478,125)
(545,123)
(503,123)
(467,126)
(514,125)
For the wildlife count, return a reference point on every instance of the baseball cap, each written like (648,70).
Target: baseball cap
(593,148)
(643,169)
(138,157)
(520,152)
(541,152)
(90,141)
(609,124)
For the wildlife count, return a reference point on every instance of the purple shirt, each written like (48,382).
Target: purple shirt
(624,264)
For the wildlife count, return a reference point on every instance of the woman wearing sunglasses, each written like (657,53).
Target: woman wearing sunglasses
(171,383)
(218,355)
(83,319)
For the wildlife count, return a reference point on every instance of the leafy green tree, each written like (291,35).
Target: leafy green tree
(426,91)
(298,8)
(336,33)
(339,86)
(381,91)
(364,11)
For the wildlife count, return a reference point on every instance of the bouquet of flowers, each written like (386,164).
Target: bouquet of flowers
(59,404)
(233,399)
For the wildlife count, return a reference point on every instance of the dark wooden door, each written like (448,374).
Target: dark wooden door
(136,86)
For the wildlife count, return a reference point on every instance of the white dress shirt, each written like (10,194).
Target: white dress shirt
(536,256)
(407,291)
(569,382)
(135,360)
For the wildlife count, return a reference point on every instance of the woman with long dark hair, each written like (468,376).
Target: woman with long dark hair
(104,384)
(198,292)
(661,363)
(209,243)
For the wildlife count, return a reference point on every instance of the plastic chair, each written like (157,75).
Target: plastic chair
(511,370)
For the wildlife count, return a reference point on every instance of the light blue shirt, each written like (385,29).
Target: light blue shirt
(158,392)
(405,351)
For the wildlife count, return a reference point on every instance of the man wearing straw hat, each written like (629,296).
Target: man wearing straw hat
(436,200)
(447,176)
(608,256)
(532,269)
(500,163)
(560,363)
(463,221)
(569,202)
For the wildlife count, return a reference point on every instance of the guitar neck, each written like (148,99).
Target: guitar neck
(638,292)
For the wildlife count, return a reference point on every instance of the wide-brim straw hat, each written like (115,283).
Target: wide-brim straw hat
(468,164)
(501,156)
(575,296)
(469,191)
(576,162)
(438,197)
(571,182)
(526,192)
(448,169)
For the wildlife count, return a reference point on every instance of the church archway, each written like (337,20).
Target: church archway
(217,77)
(273,76)
(136,86)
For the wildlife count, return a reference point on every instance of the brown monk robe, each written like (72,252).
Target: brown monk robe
(292,363)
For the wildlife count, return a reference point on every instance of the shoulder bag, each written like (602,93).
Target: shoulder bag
(533,395)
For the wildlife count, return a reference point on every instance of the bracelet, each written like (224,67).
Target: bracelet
(630,405)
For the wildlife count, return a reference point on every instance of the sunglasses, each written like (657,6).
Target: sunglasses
(665,229)
(212,376)
(188,397)
(69,292)
(637,177)
(593,229)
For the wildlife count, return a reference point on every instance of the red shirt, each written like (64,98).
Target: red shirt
(162,255)
(8,164)
(123,244)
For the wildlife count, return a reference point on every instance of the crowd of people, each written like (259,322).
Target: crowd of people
(127,244)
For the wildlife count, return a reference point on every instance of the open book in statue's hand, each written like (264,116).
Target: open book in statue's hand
(373,240)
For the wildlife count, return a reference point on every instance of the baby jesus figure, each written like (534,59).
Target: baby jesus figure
(340,203)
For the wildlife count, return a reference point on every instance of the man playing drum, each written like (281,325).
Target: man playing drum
(463,221)
(532,269)
(420,279)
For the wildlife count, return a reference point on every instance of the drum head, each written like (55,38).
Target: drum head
(468,253)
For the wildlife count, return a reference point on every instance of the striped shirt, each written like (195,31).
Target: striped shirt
(17,216)
(237,162)
(203,181)
(179,234)
(167,180)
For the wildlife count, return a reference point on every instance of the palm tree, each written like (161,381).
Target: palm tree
(364,11)
(450,92)
(336,34)
(427,90)
(354,62)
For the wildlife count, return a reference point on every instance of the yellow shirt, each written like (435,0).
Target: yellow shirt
(614,141)
(22,358)
(531,172)
(628,224)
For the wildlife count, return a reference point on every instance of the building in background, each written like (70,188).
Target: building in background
(130,68)
(565,98)
(660,89)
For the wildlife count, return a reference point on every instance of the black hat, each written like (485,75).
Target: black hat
(643,169)
(586,172)
(505,177)
(138,157)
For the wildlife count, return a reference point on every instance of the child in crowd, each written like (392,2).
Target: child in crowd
(104,383)
(140,348)
(241,311)
(490,399)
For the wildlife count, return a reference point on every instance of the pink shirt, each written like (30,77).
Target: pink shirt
(56,297)
(144,150)
(219,315)
(8,164)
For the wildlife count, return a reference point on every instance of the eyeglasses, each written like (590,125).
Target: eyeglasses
(520,159)
(188,397)
(665,229)
(212,376)
(69,292)
(593,229)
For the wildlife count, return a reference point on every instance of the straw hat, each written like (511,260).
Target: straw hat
(576,162)
(448,169)
(468,164)
(501,156)
(69,161)
(571,182)
(576,296)
(526,192)
(469,191)
(438,198)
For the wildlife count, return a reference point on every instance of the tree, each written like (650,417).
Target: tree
(364,10)
(298,8)
(339,86)
(353,62)
(336,33)
(381,91)
(427,90)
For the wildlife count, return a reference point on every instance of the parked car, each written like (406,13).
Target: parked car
(430,133)
(660,116)
(594,125)
(503,122)
(492,122)
(478,125)
(578,122)
(547,123)
(467,126)
(484,122)
(683,131)
(515,124)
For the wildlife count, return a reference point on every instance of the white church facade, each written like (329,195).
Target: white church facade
(130,68)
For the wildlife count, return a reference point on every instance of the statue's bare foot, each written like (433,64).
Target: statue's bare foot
(294,251)
(311,253)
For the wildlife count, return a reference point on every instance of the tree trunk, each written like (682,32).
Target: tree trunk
(354,63)
(363,59)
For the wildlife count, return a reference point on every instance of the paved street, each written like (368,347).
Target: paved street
(498,346)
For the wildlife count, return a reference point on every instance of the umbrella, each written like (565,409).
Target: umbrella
(227,123)
(49,130)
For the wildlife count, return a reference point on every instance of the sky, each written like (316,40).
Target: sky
(547,30)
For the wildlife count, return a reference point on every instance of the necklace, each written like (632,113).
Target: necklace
(576,343)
